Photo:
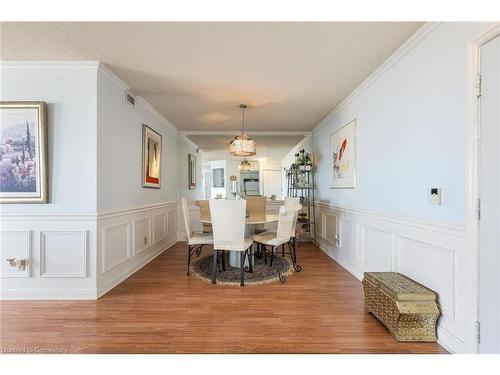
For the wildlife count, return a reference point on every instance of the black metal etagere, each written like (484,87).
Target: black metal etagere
(300,183)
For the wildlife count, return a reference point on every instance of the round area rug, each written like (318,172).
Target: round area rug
(262,273)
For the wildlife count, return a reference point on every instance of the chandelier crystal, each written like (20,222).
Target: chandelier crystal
(242,144)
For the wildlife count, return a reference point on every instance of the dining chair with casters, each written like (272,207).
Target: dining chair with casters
(228,227)
(278,238)
(195,241)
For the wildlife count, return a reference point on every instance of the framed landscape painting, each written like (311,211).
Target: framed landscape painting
(23,152)
(191,171)
(343,156)
(151,158)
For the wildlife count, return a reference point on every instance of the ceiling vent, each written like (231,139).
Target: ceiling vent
(130,99)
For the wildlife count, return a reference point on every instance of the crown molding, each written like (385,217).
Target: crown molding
(98,66)
(402,51)
(139,99)
(107,72)
(188,141)
(249,132)
(149,107)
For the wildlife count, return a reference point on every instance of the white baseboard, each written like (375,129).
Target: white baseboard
(449,341)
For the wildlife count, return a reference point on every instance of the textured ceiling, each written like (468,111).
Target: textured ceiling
(290,74)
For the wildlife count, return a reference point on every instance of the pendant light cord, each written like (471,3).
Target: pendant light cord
(243,125)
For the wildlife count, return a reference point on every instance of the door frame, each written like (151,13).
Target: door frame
(472,184)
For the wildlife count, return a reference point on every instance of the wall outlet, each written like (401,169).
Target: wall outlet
(435,196)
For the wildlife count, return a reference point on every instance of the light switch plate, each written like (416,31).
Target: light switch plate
(435,196)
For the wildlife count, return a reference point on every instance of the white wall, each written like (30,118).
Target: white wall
(100,225)
(411,132)
(135,224)
(58,239)
(411,117)
(120,149)
(69,89)
(184,148)
(273,184)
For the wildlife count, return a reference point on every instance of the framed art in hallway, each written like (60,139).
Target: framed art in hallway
(23,152)
(343,155)
(151,158)
(191,171)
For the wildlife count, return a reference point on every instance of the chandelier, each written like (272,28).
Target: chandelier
(242,144)
(244,165)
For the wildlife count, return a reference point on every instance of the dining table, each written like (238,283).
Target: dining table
(250,222)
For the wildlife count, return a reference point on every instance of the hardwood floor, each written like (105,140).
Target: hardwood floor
(161,310)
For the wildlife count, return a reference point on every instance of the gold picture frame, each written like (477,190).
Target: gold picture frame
(191,172)
(24,152)
(151,158)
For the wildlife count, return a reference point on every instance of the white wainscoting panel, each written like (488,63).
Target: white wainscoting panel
(413,261)
(63,254)
(331,223)
(142,234)
(171,223)
(154,229)
(375,249)
(115,246)
(348,252)
(432,254)
(15,244)
(159,225)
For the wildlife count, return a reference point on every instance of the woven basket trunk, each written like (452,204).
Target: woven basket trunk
(406,308)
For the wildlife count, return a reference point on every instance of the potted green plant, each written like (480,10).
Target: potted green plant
(303,160)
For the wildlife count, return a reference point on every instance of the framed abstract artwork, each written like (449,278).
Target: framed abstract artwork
(23,152)
(191,171)
(151,158)
(343,155)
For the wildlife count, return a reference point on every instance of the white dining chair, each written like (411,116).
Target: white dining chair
(228,228)
(278,238)
(293,204)
(195,241)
